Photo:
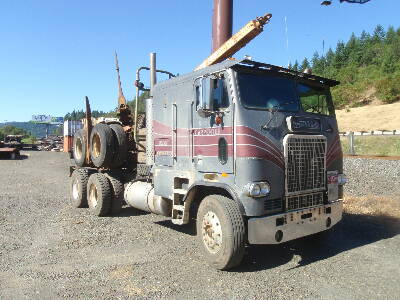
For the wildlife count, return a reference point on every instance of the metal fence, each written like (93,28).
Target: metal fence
(375,142)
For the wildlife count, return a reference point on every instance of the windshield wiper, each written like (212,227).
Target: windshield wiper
(273,110)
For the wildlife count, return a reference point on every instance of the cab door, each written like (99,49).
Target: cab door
(212,126)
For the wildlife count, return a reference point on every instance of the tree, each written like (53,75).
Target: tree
(141,104)
(368,62)
(341,55)
(330,56)
(365,38)
(296,66)
(304,65)
(379,34)
(353,49)
(318,64)
(390,35)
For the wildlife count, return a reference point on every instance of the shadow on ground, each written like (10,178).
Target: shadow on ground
(352,232)
(189,229)
(355,230)
(19,157)
(129,212)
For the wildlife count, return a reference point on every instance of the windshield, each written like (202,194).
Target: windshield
(314,99)
(267,92)
(264,91)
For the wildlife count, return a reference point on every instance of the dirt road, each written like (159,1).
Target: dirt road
(49,250)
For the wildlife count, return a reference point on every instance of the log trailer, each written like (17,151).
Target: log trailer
(247,150)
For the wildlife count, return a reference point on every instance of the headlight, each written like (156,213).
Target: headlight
(265,188)
(254,190)
(342,179)
(258,189)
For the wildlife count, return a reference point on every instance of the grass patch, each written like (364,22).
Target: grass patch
(373,145)
(372,206)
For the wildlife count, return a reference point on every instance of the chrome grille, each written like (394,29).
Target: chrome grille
(305,163)
(301,201)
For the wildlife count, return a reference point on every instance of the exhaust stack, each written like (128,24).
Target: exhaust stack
(149,112)
(221,23)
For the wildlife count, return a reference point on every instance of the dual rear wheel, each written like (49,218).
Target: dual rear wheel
(108,146)
(101,192)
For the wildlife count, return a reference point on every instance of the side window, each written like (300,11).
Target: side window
(220,94)
(198,95)
(219,98)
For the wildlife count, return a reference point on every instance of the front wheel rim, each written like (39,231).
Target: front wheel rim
(211,231)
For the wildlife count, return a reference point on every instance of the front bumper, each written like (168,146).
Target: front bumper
(295,224)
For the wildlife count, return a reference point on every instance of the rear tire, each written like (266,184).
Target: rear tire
(117,192)
(99,194)
(102,145)
(79,148)
(221,232)
(121,145)
(78,186)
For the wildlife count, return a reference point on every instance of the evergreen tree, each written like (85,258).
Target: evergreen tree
(318,64)
(390,35)
(304,65)
(379,34)
(296,66)
(330,56)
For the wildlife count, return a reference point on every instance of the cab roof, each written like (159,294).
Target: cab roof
(248,64)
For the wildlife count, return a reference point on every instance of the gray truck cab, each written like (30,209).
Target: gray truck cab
(264,136)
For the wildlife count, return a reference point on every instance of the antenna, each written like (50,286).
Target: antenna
(287,41)
(121,97)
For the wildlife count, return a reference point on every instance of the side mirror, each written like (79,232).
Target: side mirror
(206,91)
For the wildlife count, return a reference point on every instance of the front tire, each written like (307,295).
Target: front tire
(221,232)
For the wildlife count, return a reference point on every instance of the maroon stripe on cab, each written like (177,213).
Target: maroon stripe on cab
(211,139)
(254,151)
(332,146)
(210,150)
(334,155)
(241,129)
(244,140)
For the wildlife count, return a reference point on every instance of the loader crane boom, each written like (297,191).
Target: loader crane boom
(237,41)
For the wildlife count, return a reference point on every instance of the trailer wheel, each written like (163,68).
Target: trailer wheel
(79,148)
(101,145)
(221,231)
(99,194)
(78,185)
(117,192)
(121,145)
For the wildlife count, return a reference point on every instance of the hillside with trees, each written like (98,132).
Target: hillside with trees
(368,67)
(80,114)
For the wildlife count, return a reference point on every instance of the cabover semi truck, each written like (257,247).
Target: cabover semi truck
(247,150)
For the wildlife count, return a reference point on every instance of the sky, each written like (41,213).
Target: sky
(53,53)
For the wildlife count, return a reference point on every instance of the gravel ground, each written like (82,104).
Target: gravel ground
(49,250)
(376,177)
